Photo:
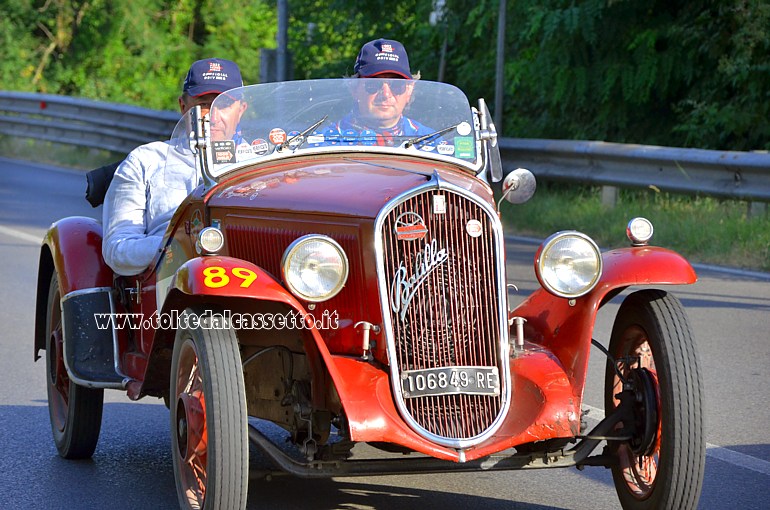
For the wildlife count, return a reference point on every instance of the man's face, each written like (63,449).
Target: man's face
(224,118)
(380,103)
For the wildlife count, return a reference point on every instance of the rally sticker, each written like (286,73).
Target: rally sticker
(244,151)
(464,147)
(349,136)
(277,136)
(463,129)
(445,148)
(332,136)
(315,139)
(368,137)
(224,151)
(260,147)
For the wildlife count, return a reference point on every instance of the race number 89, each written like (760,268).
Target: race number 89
(217,276)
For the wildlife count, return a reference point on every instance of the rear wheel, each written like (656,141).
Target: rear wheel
(75,411)
(662,466)
(209,423)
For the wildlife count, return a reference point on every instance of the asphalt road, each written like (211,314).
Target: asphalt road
(131,469)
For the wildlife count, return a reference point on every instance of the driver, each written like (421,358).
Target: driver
(379,105)
(139,205)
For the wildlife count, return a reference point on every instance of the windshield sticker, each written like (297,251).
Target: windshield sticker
(332,136)
(463,129)
(445,148)
(349,137)
(244,151)
(316,139)
(260,147)
(224,151)
(368,137)
(277,136)
(295,140)
(464,147)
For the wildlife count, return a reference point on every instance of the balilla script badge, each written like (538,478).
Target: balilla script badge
(404,287)
(409,226)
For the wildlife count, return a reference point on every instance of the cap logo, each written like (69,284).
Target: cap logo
(387,47)
(215,66)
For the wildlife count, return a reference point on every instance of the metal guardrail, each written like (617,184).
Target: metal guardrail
(83,122)
(738,175)
(120,128)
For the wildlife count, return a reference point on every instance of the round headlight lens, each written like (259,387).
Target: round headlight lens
(211,239)
(315,268)
(568,264)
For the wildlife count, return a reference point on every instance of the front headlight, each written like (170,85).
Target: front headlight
(314,268)
(568,264)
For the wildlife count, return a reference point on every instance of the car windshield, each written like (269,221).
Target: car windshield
(275,120)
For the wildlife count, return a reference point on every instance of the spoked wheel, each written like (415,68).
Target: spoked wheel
(209,423)
(661,467)
(75,411)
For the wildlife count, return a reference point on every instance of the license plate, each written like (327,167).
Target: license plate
(450,381)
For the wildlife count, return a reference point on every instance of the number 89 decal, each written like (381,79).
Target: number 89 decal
(217,276)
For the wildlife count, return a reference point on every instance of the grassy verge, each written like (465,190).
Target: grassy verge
(705,230)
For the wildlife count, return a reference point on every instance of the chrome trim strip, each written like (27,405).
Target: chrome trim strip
(437,183)
(80,292)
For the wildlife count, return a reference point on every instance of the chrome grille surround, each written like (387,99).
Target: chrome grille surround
(452,409)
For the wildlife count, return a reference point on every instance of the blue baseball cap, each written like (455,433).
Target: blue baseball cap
(212,76)
(382,56)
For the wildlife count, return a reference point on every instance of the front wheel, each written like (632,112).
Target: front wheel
(662,466)
(75,411)
(209,422)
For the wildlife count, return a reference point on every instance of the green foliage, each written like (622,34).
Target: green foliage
(671,72)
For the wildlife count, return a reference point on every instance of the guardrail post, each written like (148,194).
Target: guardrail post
(609,196)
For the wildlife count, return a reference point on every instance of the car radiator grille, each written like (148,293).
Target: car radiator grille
(440,264)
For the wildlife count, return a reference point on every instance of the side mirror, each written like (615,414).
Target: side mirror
(518,186)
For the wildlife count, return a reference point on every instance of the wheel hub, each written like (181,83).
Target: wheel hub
(190,425)
(645,408)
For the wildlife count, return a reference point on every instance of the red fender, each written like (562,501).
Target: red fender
(73,248)
(567,330)
(75,244)
(229,277)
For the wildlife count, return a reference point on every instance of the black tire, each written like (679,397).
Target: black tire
(665,470)
(209,422)
(75,411)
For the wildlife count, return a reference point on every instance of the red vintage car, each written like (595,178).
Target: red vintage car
(351,291)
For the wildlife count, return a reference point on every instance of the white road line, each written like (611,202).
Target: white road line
(712,450)
(21,235)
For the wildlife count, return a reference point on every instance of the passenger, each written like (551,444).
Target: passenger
(379,105)
(139,204)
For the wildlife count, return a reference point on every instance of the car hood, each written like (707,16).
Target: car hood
(359,186)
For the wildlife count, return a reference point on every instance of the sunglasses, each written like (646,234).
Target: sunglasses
(225,100)
(397,87)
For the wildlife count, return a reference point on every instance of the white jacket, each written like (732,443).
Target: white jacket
(146,190)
